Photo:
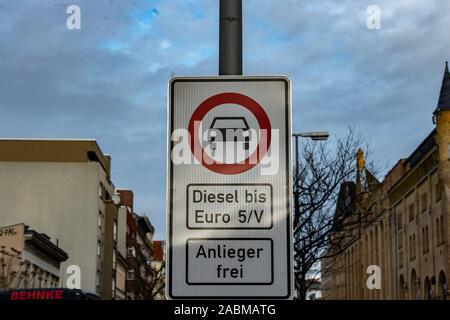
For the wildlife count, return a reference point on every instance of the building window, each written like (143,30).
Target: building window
(438,191)
(113,286)
(442,230)
(102,192)
(425,240)
(424,202)
(97,279)
(412,247)
(400,221)
(411,212)
(99,251)
(131,252)
(115,230)
(130,274)
(114,259)
(100,218)
(438,232)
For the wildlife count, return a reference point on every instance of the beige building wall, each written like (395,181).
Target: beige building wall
(408,239)
(443,208)
(122,230)
(58,197)
(11,237)
(121,277)
(409,235)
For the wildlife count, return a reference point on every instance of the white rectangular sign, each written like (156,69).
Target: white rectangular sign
(229,222)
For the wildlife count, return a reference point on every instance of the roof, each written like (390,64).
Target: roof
(144,224)
(415,158)
(43,243)
(345,202)
(424,147)
(444,95)
(53,150)
(372,181)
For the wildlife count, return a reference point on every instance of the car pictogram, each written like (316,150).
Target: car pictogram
(224,129)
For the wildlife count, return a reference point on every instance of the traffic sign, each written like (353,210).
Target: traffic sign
(229,222)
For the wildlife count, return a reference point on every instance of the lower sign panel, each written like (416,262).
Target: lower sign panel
(229,261)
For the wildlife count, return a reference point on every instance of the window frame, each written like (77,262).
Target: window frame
(411,212)
(424,201)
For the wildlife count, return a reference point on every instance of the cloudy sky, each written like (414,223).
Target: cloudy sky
(108,80)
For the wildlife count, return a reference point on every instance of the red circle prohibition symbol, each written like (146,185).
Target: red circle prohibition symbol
(237,99)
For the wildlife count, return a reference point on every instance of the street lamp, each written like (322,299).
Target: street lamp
(315,136)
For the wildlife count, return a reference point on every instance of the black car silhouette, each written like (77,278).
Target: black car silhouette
(238,125)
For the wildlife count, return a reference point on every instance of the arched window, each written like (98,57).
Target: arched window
(427,293)
(423,239)
(402,288)
(442,286)
(438,232)
(410,246)
(414,292)
(399,221)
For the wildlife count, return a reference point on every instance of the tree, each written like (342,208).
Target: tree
(151,275)
(157,279)
(332,182)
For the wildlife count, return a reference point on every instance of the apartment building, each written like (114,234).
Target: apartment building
(138,242)
(63,188)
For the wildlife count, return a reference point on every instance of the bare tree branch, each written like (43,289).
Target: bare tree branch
(327,190)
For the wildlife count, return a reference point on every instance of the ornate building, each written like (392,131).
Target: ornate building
(407,232)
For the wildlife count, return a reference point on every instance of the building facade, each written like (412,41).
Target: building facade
(110,252)
(28,259)
(62,188)
(139,259)
(406,239)
(138,243)
(121,245)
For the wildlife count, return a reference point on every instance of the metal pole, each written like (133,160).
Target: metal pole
(297,235)
(296,157)
(297,186)
(230,34)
